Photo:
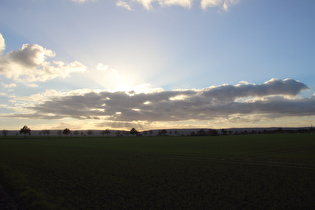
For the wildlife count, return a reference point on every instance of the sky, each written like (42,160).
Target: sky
(156,64)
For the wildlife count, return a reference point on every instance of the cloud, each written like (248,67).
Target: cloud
(227,93)
(102,67)
(30,55)
(224,4)
(182,3)
(148,4)
(272,99)
(123,4)
(31,63)
(12,85)
(32,85)
(2,44)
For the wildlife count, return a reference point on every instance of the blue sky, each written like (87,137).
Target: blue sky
(157,59)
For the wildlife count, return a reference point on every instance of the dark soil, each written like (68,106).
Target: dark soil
(7,202)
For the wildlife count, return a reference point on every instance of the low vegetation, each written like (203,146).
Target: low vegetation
(217,172)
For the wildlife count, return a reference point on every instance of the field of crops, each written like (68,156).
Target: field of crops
(222,172)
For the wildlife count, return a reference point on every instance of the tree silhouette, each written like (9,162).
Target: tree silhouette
(5,133)
(25,130)
(133,131)
(76,133)
(59,132)
(90,132)
(213,132)
(163,132)
(118,133)
(107,132)
(45,132)
(201,132)
(66,131)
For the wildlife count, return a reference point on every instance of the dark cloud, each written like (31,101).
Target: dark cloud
(287,87)
(30,55)
(276,97)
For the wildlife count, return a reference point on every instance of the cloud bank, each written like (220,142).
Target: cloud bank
(31,63)
(272,99)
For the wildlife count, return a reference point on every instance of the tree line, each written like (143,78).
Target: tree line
(26,131)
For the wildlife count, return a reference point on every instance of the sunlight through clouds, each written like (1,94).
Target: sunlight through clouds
(143,104)
(156,63)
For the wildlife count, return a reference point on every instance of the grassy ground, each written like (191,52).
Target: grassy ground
(224,172)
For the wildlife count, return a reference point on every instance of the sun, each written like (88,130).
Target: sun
(108,78)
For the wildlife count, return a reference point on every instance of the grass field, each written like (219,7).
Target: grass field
(222,172)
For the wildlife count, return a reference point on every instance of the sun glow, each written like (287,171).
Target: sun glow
(110,79)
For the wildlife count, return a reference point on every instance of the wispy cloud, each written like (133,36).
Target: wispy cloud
(272,99)
(11,85)
(223,4)
(124,4)
(204,4)
(31,63)
(102,67)
(149,4)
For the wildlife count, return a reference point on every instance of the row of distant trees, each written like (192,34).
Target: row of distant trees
(224,132)
(26,131)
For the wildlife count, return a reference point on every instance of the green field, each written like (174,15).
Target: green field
(222,172)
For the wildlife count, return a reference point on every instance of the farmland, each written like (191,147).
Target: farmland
(221,172)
